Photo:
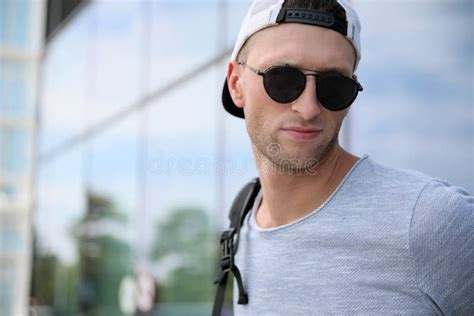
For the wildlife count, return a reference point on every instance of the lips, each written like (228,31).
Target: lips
(302,133)
(302,130)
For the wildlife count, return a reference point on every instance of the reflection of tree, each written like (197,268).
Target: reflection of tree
(104,256)
(44,264)
(53,283)
(186,239)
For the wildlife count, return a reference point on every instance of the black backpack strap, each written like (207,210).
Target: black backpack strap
(240,207)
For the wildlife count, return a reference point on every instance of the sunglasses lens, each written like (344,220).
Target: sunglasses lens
(336,92)
(284,84)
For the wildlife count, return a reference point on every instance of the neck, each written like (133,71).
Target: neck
(288,197)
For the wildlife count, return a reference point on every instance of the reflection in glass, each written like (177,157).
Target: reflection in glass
(184,243)
(104,257)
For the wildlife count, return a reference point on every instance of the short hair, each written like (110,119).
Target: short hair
(328,6)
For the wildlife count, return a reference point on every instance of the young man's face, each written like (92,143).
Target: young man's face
(267,121)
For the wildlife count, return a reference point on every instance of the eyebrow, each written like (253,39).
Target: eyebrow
(324,69)
(331,69)
(295,65)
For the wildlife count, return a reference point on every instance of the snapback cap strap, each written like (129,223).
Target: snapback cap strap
(313,17)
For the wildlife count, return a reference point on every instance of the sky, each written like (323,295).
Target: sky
(417,108)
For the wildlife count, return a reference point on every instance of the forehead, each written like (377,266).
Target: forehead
(304,46)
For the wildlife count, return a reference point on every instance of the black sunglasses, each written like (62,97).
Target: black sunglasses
(285,84)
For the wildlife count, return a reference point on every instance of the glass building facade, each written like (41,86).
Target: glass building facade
(21,38)
(135,174)
(137,162)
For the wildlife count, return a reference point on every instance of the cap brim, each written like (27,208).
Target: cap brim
(229,105)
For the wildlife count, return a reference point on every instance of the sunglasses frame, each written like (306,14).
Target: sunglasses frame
(316,74)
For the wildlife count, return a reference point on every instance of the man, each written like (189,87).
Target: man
(329,232)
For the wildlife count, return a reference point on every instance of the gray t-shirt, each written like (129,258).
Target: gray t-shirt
(386,242)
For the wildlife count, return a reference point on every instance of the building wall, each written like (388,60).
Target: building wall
(132,175)
(21,34)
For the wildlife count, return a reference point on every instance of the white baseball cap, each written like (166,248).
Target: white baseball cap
(266,13)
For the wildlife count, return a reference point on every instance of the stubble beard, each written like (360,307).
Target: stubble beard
(282,161)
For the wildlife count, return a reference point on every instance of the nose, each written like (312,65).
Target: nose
(307,105)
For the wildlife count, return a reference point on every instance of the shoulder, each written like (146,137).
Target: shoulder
(440,228)
(393,183)
(434,202)
(442,245)
(442,211)
(378,171)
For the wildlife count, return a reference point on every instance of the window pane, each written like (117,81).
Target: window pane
(14,150)
(58,217)
(15,19)
(14,92)
(179,229)
(110,221)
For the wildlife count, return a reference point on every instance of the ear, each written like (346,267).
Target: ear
(234,84)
